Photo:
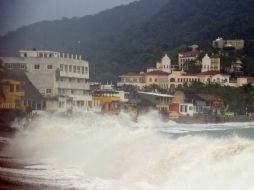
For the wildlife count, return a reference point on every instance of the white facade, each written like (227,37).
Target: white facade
(165,64)
(186,109)
(220,43)
(55,75)
(185,57)
(220,79)
(123,96)
(210,63)
(206,64)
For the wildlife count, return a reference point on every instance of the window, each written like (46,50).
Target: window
(78,69)
(74,69)
(83,70)
(18,102)
(70,68)
(61,67)
(19,88)
(86,70)
(66,68)
(36,66)
(183,108)
(61,104)
(150,80)
(11,88)
(80,103)
(50,67)
(48,91)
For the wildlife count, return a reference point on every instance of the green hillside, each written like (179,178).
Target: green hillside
(132,37)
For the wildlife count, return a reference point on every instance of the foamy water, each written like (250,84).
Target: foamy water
(96,152)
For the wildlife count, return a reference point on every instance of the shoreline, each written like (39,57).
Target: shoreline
(9,181)
(209,119)
(12,181)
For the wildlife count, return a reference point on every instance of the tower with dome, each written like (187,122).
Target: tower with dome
(165,64)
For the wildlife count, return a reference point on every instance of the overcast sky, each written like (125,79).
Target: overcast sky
(16,13)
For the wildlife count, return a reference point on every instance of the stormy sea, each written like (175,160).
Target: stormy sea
(101,152)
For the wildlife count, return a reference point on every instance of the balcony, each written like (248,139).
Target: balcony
(74,75)
(72,85)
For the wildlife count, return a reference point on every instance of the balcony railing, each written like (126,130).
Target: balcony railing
(70,85)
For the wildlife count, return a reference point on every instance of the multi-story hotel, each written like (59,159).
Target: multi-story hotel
(61,78)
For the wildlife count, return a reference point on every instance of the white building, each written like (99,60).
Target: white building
(186,109)
(210,63)
(220,43)
(165,64)
(214,77)
(186,57)
(61,79)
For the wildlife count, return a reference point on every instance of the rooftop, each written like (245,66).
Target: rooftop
(210,73)
(132,74)
(39,51)
(156,94)
(189,54)
(158,72)
(250,79)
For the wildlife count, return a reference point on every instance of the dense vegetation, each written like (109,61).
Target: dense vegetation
(132,37)
(240,100)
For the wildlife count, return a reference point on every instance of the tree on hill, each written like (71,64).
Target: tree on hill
(132,37)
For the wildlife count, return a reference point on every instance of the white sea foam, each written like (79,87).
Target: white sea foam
(94,151)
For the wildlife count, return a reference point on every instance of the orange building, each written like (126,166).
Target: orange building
(12,96)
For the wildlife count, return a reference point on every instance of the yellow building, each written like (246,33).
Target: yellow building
(12,94)
(133,79)
(106,101)
(157,77)
(18,93)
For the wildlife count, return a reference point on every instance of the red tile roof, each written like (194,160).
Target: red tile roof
(189,75)
(189,53)
(233,81)
(250,79)
(132,74)
(158,72)
(210,73)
